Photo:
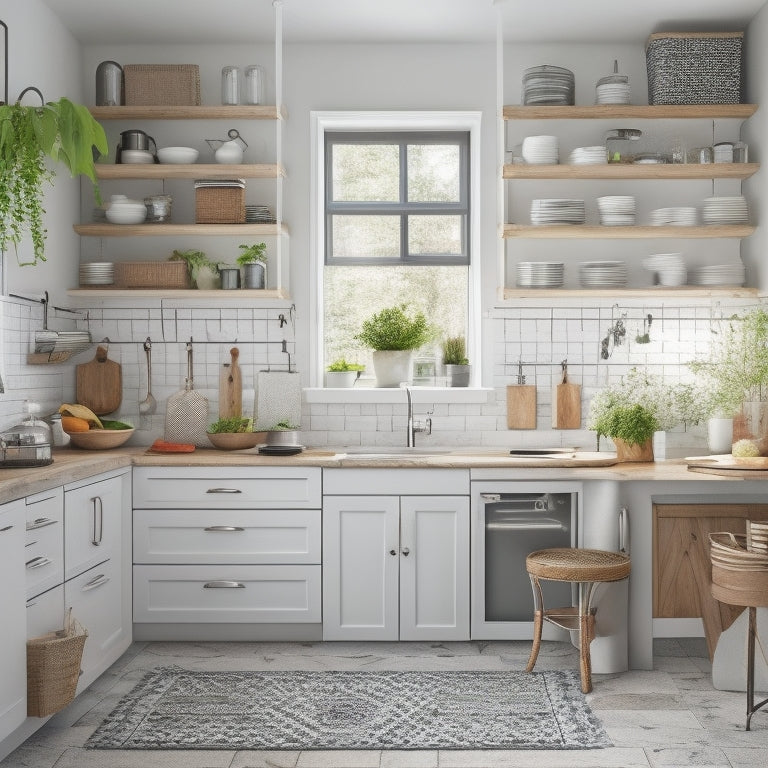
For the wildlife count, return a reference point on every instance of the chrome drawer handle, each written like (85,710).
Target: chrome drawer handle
(38,562)
(216,528)
(7,528)
(223,585)
(98,521)
(223,490)
(96,581)
(41,522)
(526,526)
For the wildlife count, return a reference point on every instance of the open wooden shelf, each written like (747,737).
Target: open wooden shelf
(659,171)
(585,232)
(629,111)
(655,292)
(179,293)
(162,230)
(239,112)
(192,171)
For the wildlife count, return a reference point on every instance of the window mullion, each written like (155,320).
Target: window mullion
(403,199)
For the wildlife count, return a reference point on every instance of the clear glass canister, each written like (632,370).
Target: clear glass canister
(230,85)
(158,208)
(254,84)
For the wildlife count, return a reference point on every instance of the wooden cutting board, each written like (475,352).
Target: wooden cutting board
(566,404)
(99,384)
(521,406)
(231,387)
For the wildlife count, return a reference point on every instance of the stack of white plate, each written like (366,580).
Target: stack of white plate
(718,274)
(557,211)
(540,150)
(548,84)
(668,267)
(97,273)
(616,210)
(602,274)
(674,217)
(588,156)
(725,210)
(612,93)
(540,274)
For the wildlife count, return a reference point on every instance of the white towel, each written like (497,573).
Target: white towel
(278,398)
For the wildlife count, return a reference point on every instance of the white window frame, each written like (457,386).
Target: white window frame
(320,123)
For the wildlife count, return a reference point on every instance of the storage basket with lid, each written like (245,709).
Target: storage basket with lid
(220,201)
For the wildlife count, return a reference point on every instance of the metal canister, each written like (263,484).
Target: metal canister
(109,84)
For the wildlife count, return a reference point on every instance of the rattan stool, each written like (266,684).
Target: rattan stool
(586,567)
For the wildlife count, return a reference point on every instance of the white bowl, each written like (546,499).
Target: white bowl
(177,155)
(126,214)
(136,156)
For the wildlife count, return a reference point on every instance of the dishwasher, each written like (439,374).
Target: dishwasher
(507,526)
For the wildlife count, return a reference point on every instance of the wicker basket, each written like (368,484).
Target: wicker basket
(694,67)
(220,205)
(162,85)
(151,274)
(53,668)
(739,577)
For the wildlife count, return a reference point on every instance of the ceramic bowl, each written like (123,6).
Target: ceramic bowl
(100,439)
(235,441)
(177,155)
(136,156)
(126,213)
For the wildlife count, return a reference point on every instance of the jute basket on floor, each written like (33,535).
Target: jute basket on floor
(53,668)
(739,576)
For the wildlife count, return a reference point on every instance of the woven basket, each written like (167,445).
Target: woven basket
(739,577)
(151,274)
(53,668)
(220,205)
(694,67)
(162,85)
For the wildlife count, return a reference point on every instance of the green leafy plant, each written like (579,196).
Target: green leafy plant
(233,424)
(252,253)
(634,424)
(393,328)
(61,130)
(455,351)
(736,370)
(340,365)
(282,426)
(196,261)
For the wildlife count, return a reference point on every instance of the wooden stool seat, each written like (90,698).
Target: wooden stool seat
(585,567)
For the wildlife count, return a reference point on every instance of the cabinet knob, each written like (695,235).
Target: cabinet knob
(393,552)
(406,551)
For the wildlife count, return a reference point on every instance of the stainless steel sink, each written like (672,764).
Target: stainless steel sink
(396,451)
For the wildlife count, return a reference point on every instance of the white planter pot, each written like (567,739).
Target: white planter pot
(720,435)
(392,366)
(341,379)
(458,375)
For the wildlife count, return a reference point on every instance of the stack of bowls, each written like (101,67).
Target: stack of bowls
(122,210)
(540,150)
(668,267)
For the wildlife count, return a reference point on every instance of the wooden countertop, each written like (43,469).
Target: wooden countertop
(71,465)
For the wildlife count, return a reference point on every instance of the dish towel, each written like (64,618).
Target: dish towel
(278,398)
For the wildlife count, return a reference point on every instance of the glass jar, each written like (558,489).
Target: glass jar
(158,208)
(254,85)
(230,85)
(109,84)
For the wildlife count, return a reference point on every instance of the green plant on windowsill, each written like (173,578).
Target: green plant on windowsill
(61,130)
(455,351)
(340,365)
(394,329)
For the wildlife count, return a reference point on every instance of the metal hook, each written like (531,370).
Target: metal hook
(520,376)
(31,88)
(281,318)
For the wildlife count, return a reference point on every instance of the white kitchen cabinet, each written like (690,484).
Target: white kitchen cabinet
(396,568)
(44,550)
(13,666)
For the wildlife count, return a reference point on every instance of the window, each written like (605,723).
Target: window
(395,196)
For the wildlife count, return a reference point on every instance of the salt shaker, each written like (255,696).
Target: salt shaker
(230,85)
(254,84)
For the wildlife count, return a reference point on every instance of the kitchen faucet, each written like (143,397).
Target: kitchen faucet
(415,425)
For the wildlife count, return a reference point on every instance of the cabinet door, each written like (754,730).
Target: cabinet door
(360,567)
(93,519)
(434,568)
(13,649)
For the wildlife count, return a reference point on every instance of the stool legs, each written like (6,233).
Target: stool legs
(538,622)
(751,632)
(586,633)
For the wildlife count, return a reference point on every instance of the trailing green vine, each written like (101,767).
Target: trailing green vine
(63,131)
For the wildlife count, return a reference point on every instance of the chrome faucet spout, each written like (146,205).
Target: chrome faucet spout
(414,425)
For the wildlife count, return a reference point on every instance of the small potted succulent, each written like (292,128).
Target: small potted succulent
(457,367)
(393,334)
(342,374)
(253,261)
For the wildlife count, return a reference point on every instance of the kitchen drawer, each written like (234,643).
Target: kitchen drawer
(233,594)
(45,613)
(92,524)
(95,598)
(44,548)
(259,536)
(226,487)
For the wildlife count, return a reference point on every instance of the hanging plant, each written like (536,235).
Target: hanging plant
(61,130)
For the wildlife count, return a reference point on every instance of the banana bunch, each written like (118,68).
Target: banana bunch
(85,418)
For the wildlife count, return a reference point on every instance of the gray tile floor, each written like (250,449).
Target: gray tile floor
(670,716)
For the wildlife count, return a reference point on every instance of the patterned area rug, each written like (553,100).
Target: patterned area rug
(173,708)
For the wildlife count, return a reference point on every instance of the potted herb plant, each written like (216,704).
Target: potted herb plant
(253,261)
(342,374)
(457,367)
(393,334)
(203,272)
(61,130)
(283,433)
